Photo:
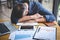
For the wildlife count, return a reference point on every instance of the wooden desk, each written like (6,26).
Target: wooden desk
(5,37)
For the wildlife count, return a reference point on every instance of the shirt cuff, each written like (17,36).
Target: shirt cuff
(49,18)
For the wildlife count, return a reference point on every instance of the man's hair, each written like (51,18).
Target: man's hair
(25,1)
(22,1)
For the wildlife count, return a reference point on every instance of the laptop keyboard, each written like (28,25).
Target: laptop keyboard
(3,28)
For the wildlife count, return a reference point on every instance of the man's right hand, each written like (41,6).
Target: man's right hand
(36,16)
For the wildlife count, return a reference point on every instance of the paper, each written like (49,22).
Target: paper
(24,24)
(46,33)
(22,35)
(42,33)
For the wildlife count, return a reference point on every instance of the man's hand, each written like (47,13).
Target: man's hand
(36,16)
(41,20)
(28,21)
(50,23)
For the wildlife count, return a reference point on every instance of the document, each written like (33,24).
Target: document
(22,35)
(45,33)
(24,24)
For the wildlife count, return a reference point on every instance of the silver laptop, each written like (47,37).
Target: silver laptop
(6,27)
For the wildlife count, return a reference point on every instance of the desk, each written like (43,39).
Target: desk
(5,37)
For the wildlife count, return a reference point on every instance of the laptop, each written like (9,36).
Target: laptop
(6,27)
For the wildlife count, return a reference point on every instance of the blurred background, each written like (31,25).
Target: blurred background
(6,7)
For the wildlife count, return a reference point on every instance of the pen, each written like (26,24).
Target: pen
(37,30)
(41,39)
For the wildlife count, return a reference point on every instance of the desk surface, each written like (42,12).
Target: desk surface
(5,37)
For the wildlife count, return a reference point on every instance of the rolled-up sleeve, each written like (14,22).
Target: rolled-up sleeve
(48,15)
(49,18)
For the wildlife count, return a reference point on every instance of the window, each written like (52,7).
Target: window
(48,4)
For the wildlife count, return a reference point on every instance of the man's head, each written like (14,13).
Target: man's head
(23,4)
(23,7)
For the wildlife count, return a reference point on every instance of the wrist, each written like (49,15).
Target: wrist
(32,17)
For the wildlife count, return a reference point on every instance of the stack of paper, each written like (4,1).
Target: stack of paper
(27,24)
(45,33)
(22,35)
(42,33)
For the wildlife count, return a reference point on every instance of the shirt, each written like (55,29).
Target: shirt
(36,7)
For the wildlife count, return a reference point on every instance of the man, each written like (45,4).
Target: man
(19,14)
(34,12)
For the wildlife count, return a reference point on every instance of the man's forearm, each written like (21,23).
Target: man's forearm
(25,18)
